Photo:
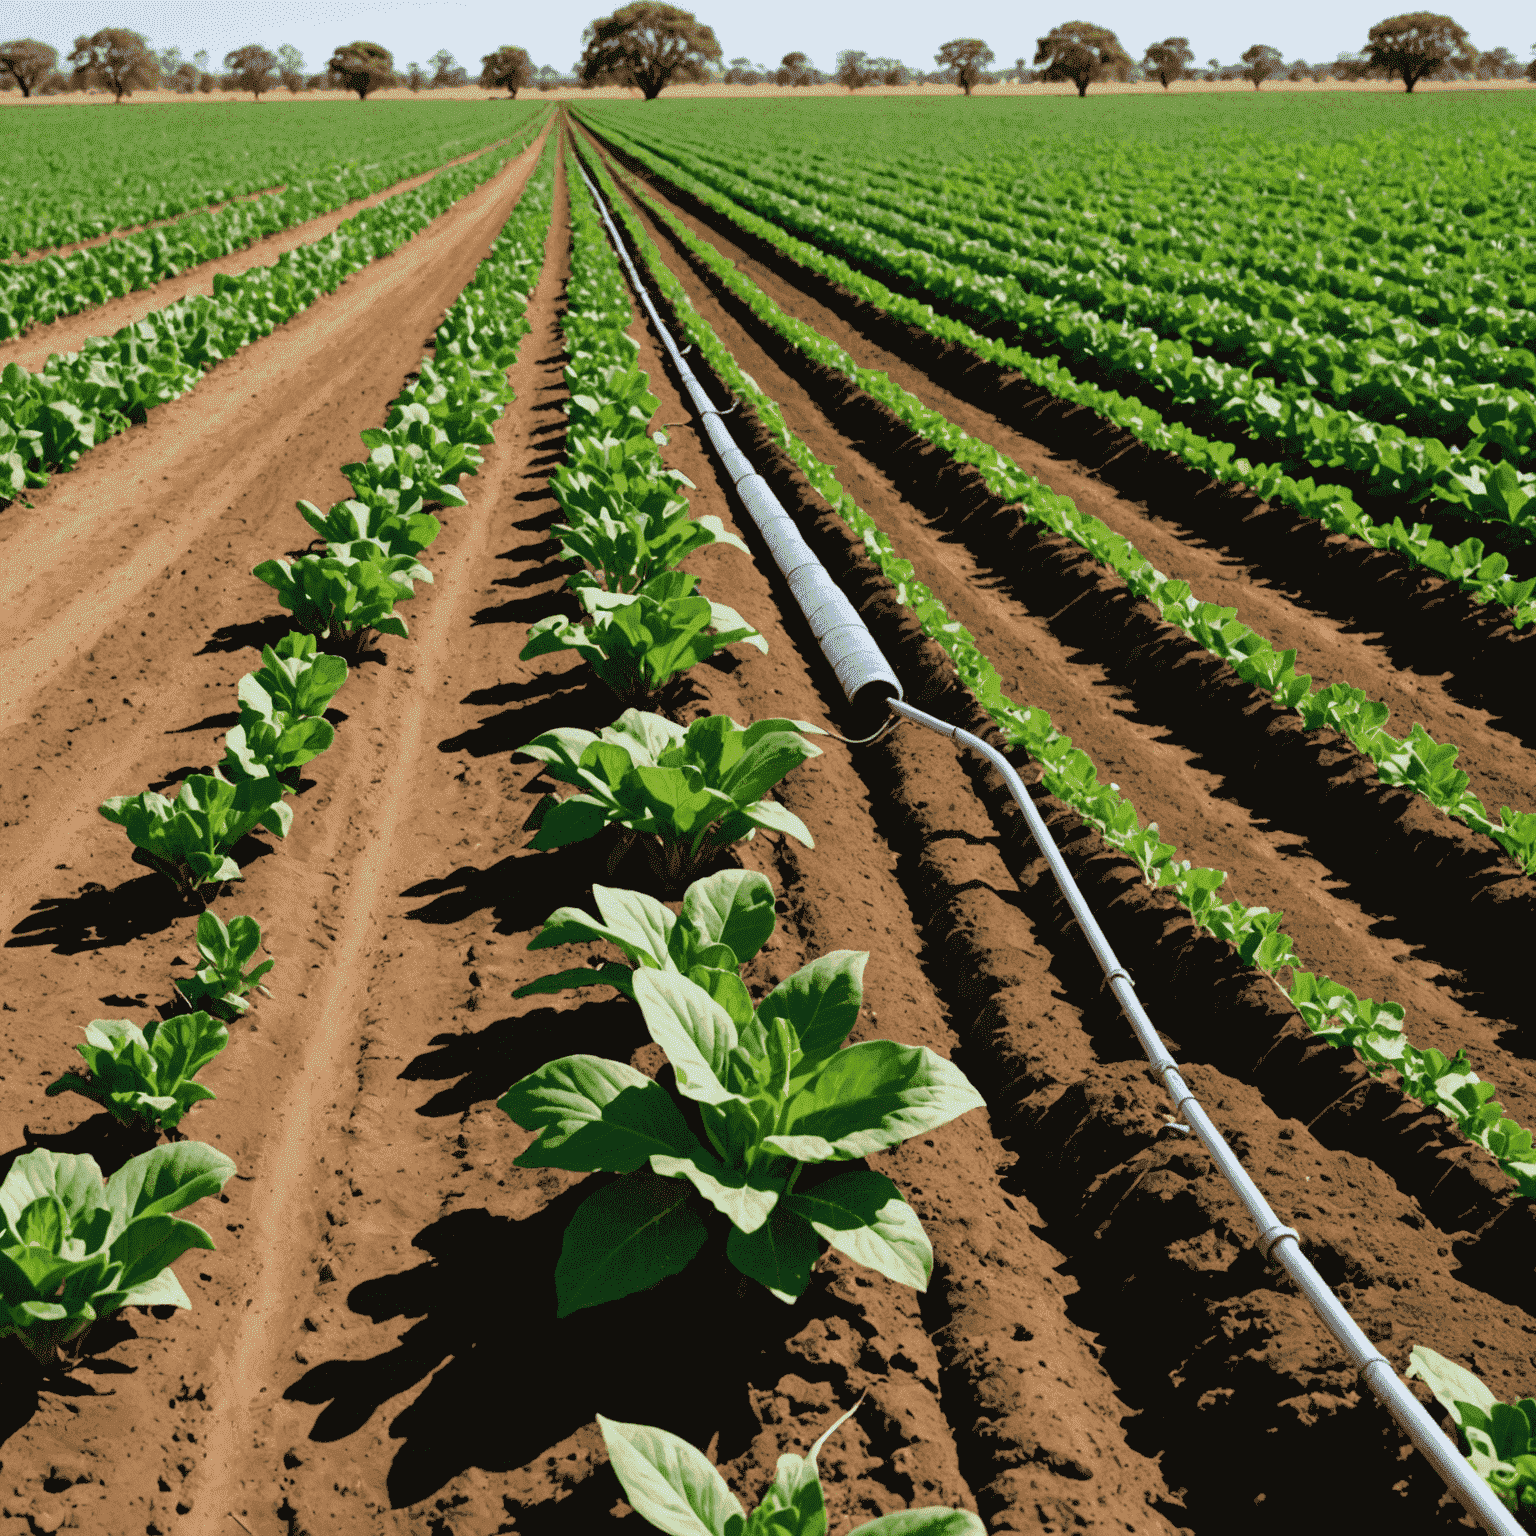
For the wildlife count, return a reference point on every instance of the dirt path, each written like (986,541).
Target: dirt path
(38,343)
(1162,762)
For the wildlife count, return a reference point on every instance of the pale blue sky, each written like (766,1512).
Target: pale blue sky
(414,29)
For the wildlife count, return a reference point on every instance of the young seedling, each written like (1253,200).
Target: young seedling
(726,919)
(220,984)
(776,1093)
(1500,1438)
(344,601)
(295,679)
(357,530)
(73,1249)
(678,1490)
(144,1077)
(695,791)
(188,839)
(637,642)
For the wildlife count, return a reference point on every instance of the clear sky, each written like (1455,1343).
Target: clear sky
(1316,30)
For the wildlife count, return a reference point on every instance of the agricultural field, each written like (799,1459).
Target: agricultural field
(523,1039)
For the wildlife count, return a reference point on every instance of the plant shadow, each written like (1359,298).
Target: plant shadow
(483,1063)
(571,697)
(107,1140)
(100,918)
(472,1352)
(520,890)
(250,635)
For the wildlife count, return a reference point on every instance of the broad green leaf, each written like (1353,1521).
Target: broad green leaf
(595,1115)
(734,908)
(165,1179)
(923,1522)
(624,1238)
(641,922)
(745,1198)
(820,1003)
(780,1254)
(862,1213)
(74,1178)
(695,1031)
(1452,1384)
(773,817)
(153,1243)
(670,1483)
(872,1096)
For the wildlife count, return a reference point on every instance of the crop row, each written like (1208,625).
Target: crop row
(79,399)
(1374,1030)
(1483,575)
(38,292)
(1500,1437)
(73,1247)
(1389,365)
(99,175)
(1386,460)
(1405,225)
(1416,762)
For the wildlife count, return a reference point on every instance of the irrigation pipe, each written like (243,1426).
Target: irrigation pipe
(869,682)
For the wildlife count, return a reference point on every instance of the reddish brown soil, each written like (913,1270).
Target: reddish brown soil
(373,1348)
(38,343)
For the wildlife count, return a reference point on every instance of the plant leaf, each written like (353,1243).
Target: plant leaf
(692,1028)
(669,1482)
(780,1254)
(862,1213)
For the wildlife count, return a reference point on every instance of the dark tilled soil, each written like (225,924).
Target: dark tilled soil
(373,1347)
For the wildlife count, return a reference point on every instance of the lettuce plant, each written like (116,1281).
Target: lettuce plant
(220,984)
(775,1092)
(411,463)
(360,531)
(695,790)
(677,1489)
(627,537)
(637,642)
(344,600)
(1501,1439)
(294,679)
(144,1077)
(726,918)
(188,839)
(73,1249)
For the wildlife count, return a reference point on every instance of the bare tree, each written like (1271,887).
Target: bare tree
(117,59)
(966,58)
(28,62)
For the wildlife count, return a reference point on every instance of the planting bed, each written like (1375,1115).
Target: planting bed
(374,1346)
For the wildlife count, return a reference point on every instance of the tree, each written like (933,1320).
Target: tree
(116,59)
(1081,52)
(890,72)
(1530,69)
(853,69)
(415,76)
(797,70)
(1168,59)
(27,62)
(447,72)
(252,68)
(1262,61)
(290,69)
(1499,64)
(965,58)
(363,67)
(507,69)
(649,45)
(1418,44)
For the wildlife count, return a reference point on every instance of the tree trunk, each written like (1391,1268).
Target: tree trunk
(1082,87)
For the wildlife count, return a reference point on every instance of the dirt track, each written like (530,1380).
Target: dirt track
(371,1349)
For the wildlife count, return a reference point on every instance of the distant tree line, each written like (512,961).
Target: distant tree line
(648,46)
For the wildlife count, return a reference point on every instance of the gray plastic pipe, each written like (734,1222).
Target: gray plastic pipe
(867,679)
(1279,1243)
(863,673)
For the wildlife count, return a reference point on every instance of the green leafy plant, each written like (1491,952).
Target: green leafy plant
(220,984)
(775,1092)
(144,1077)
(1501,1439)
(281,724)
(695,790)
(726,918)
(360,531)
(628,537)
(188,839)
(637,642)
(294,679)
(344,600)
(678,1490)
(73,1249)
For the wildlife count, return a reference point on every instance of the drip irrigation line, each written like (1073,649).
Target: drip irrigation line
(869,682)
